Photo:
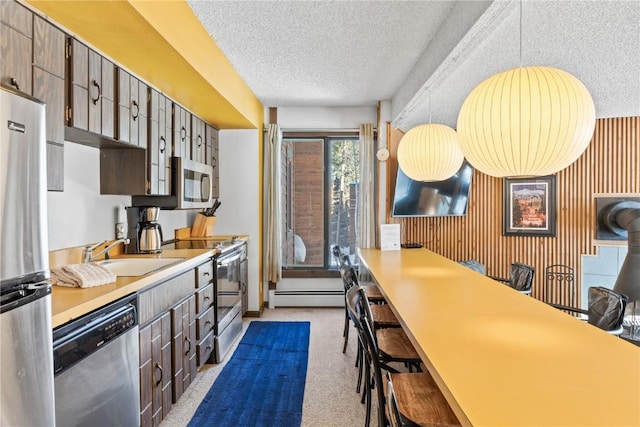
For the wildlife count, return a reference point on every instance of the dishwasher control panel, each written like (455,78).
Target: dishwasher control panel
(82,337)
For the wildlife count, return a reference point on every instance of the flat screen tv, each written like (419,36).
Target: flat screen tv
(441,198)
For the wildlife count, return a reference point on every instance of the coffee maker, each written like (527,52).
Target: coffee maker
(145,233)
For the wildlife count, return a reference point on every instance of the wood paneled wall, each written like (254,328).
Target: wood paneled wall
(611,164)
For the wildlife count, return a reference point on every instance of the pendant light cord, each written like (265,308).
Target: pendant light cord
(429,90)
(520,49)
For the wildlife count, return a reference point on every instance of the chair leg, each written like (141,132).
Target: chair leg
(359,363)
(345,333)
(368,394)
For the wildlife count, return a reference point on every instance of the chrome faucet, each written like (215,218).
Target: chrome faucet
(88,250)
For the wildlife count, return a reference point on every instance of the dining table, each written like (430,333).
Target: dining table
(502,358)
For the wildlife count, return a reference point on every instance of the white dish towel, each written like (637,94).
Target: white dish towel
(81,275)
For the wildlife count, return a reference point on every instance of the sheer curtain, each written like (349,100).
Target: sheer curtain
(365,217)
(273,220)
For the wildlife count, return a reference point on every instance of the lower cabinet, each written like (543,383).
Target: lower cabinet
(176,320)
(166,327)
(183,341)
(155,371)
(205,314)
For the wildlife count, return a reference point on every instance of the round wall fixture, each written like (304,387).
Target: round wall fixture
(382,154)
(528,121)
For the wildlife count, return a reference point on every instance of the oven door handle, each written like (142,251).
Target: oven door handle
(227,260)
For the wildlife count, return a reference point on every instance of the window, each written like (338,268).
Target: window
(320,190)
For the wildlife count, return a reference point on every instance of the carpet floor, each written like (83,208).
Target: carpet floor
(330,399)
(263,382)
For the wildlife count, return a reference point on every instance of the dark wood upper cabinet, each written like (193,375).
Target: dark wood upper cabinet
(48,80)
(181,132)
(33,62)
(48,47)
(159,148)
(123,101)
(16,47)
(211,157)
(91,90)
(107,98)
(131,118)
(77,85)
(198,139)
(137,128)
(143,100)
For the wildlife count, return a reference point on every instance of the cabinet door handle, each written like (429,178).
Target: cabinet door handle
(207,297)
(159,368)
(163,144)
(199,139)
(14,83)
(187,341)
(134,103)
(208,322)
(214,162)
(183,133)
(97,98)
(206,273)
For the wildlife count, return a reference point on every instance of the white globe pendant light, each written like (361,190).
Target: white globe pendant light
(528,121)
(430,152)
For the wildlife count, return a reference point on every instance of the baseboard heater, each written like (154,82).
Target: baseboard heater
(306,298)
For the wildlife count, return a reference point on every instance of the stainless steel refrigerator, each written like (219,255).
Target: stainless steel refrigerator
(26,353)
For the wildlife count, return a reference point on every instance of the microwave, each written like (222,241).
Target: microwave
(191,184)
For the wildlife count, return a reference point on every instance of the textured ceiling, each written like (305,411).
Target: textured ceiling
(322,53)
(355,53)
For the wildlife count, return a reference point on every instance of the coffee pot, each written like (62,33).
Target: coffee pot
(145,233)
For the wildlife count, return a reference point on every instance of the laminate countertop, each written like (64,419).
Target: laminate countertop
(502,358)
(70,303)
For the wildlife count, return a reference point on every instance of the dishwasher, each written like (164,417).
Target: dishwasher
(96,362)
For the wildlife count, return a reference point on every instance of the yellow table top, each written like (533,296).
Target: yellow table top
(502,358)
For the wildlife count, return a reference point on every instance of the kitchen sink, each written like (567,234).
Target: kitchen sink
(137,266)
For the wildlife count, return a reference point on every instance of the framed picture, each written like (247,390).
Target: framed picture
(529,207)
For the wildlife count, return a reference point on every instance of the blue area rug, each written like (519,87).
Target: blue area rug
(263,382)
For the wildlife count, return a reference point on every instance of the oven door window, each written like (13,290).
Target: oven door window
(228,284)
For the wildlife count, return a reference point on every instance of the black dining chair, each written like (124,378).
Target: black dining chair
(520,278)
(415,400)
(420,401)
(605,310)
(474,265)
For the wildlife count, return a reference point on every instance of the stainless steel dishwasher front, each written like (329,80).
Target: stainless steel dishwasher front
(96,359)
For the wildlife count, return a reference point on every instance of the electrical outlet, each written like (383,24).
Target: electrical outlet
(120,230)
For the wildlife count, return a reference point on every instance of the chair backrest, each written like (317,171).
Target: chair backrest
(335,250)
(358,310)
(352,297)
(560,276)
(372,354)
(475,265)
(606,308)
(521,277)
(349,277)
(343,260)
(393,413)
